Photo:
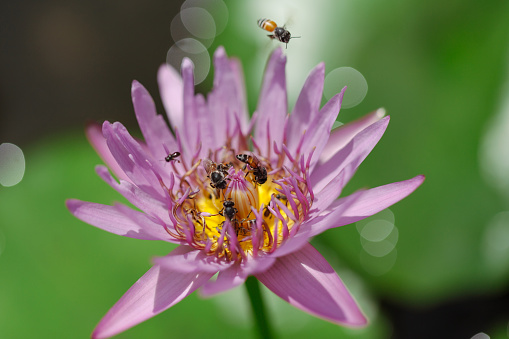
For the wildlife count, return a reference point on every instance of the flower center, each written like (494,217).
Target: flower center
(239,205)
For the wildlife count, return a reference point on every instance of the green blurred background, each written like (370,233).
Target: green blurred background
(439,68)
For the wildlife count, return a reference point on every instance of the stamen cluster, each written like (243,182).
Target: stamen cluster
(237,203)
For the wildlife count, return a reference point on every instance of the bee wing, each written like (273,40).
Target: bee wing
(209,165)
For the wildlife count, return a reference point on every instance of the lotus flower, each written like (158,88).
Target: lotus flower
(241,197)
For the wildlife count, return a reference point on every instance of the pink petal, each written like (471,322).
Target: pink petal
(134,160)
(272,106)
(318,132)
(363,204)
(349,157)
(344,134)
(226,280)
(307,281)
(186,259)
(204,126)
(98,141)
(307,106)
(188,133)
(227,100)
(118,219)
(172,94)
(308,229)
(145,202)
(154,292)
(154,128)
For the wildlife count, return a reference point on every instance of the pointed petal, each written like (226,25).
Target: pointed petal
(172,94)
(318,132)
(154,292)
(139,166)
(190,136)
(344,134)
(98,141)
(227,101)
(307,106)
(312,227)
(205,127)
(153,127)
(145,202)
(363,204)
(185,259)
(307,281)
(349,157)
(272,106)
(118,219)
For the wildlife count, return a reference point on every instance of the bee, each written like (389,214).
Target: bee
(229,210)
(216,173)
(278,196)
(259,172)
(172,156)
(279,33)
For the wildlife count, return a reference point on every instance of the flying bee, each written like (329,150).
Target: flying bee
(279,33)
(172,156)
(259,171)
(216,174)
(229,210)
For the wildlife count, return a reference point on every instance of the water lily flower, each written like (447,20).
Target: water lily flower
(240,196)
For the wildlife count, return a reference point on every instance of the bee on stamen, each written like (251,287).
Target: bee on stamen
(259,172)
(216,173)
(228,210)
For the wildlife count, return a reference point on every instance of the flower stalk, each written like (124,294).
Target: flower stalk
(258,308)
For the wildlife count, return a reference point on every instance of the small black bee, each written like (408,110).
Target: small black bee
(229,210)
(259,172)
(216,173)
(172,156)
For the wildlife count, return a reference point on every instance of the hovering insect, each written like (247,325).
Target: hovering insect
(172,156)
(229,210)
(279,33)
(216,173)
(259,172)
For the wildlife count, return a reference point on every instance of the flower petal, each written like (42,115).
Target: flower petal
(153,127)
(318,132)
(118,219)
(190,136)
(341,136)
(136,163)
(185,259)
(307,229)
(307,106)
(226,280)
(349,157)
(154,292)
(272,105)
(98,141)
(363,204)
(172,94)
(145,202)
(307,281)
(227,100)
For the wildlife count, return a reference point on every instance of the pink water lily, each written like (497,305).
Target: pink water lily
(241,197)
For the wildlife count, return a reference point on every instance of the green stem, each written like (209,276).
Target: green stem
(255,296)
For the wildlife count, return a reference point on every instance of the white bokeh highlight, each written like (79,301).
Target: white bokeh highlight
(12,164)
(357,86)
(194,50)
(378,238)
